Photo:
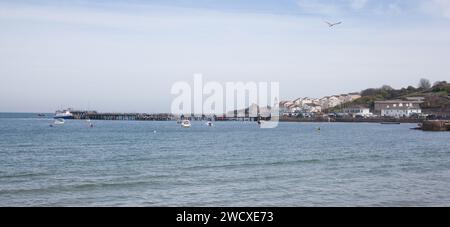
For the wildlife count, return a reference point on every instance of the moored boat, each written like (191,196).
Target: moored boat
(64,114)
(390,123)
(186,124)
(59,121)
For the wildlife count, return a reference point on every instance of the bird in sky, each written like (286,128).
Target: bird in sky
(333,24)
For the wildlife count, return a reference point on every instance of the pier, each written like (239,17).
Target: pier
(224,118)
(93,115)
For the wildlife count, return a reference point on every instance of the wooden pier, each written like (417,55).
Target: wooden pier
(93,115)
(223,118)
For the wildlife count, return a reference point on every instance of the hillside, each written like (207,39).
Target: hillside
(436,97)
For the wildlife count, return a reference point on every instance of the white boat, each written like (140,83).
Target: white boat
(59,121)
(90,123)
(186,124)
(65,114)
(209,123)
(267,124)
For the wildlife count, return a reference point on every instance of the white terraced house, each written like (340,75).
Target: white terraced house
(397,108)
(357,111)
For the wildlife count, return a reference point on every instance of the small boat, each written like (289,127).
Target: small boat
(186,124)
(390,123)
(59,121)
(209,123)
(90,123)
(261,123)
(41,115)
(419,127)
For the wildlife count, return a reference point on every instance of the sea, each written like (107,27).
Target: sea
(149,163)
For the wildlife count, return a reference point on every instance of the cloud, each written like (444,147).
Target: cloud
(318,7)
(322,7)
(394,9)
(358,4)
(132,49)
(435,8)
(443,6)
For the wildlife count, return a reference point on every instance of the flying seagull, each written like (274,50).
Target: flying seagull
(333,24)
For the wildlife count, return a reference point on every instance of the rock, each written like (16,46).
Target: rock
(436,125)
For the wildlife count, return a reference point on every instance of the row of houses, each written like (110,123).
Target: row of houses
(309,106)
(390,108)
(399,108)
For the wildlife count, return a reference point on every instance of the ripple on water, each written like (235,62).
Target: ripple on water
(232,164)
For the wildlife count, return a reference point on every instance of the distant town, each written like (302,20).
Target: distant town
(384,104)
(424,102)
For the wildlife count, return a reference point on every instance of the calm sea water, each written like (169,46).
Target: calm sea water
(120,163)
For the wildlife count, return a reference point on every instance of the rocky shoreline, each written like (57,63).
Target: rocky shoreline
(436,126)
(425,125)
(352,120)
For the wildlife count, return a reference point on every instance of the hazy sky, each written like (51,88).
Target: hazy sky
(125,56)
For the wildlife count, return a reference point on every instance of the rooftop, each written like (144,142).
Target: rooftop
(357,107)
(396,101)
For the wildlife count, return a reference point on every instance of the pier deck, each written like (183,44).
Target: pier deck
(93,115)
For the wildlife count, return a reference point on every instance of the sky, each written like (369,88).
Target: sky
(124,56)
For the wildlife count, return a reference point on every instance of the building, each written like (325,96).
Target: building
(397,108)
(311,108)
(330,102)
(285,104)
(314,105)
(357,111)
(284,108)
(305,100)
(419,99)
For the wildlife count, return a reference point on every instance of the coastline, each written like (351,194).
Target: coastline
(352,120)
